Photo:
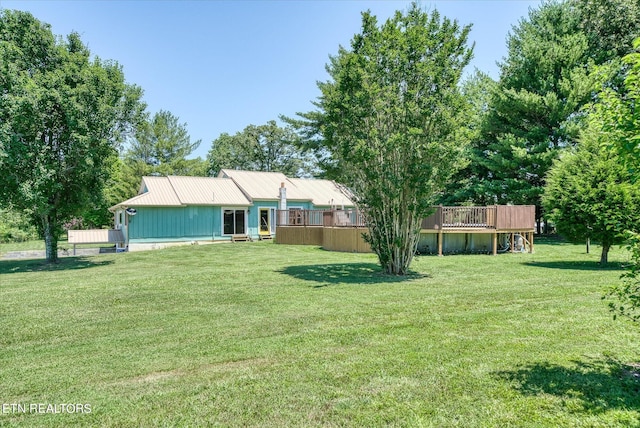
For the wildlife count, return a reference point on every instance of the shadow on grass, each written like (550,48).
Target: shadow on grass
(345,273)
(576,265)
(591,386)
(550,240)
(71,263)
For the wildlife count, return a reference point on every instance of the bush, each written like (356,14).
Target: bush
(626,295)
(15,227)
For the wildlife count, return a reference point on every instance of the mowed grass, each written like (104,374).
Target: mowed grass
(36,245)
(260,334)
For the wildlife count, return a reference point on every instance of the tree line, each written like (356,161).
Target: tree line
(396,121)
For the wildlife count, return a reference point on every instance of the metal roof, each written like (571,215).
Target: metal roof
(323,193)
(157,192)
(177,191)
(263,185)
(234,188)
(207,191)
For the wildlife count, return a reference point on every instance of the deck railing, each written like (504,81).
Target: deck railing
(468,217)
(332,218)
(502,217)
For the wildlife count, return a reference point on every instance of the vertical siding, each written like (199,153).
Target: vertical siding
(217,222)
(173,222)
(254,216)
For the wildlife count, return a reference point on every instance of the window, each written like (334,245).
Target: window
(273,223)
(234,222)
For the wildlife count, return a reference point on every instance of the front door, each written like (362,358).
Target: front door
(265,221)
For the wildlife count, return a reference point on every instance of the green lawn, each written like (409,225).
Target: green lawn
(36,245)
(260,334)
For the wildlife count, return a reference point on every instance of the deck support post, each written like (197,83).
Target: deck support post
(495,243)
(440,236)
(530,242)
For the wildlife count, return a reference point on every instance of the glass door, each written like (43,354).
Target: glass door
(265,221)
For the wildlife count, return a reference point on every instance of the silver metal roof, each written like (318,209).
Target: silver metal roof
(234,188)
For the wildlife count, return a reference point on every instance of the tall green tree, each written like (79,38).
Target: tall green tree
(615,116)
(616,113)
(610,26)
(545,81)
(62,115)
(543,84)
(390,117)
(470,184)
(590,194)
(267,147)
(161,147)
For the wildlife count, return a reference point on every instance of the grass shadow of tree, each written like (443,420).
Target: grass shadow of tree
(345,273)
(576,265)
(592,386)
(38,265)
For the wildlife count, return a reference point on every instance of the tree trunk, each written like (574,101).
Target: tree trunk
(588,245)
(604,256)
(50,240)
(395,242)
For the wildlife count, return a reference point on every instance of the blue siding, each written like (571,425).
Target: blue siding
(254,216)
(193,222)
(173,222)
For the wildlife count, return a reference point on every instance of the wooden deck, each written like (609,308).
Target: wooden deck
(517,222)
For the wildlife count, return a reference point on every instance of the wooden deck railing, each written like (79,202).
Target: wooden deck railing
(480,217)
(340,218)
(500,217)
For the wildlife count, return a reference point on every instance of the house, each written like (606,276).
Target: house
(176,210)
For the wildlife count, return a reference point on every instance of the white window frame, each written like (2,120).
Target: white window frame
(272,213)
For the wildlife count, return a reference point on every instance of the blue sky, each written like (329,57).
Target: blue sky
(222,65)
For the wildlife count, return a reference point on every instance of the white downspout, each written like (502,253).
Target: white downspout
(282,205)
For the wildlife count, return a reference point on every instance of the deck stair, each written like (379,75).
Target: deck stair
(240,238)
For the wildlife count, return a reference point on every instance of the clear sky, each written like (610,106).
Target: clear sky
(222,65)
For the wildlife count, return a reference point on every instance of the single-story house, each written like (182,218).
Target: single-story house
(177,209)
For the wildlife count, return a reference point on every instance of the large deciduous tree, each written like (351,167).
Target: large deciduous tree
(61,115)
(267,147)
(616,117)
(390,116)
(617,113)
